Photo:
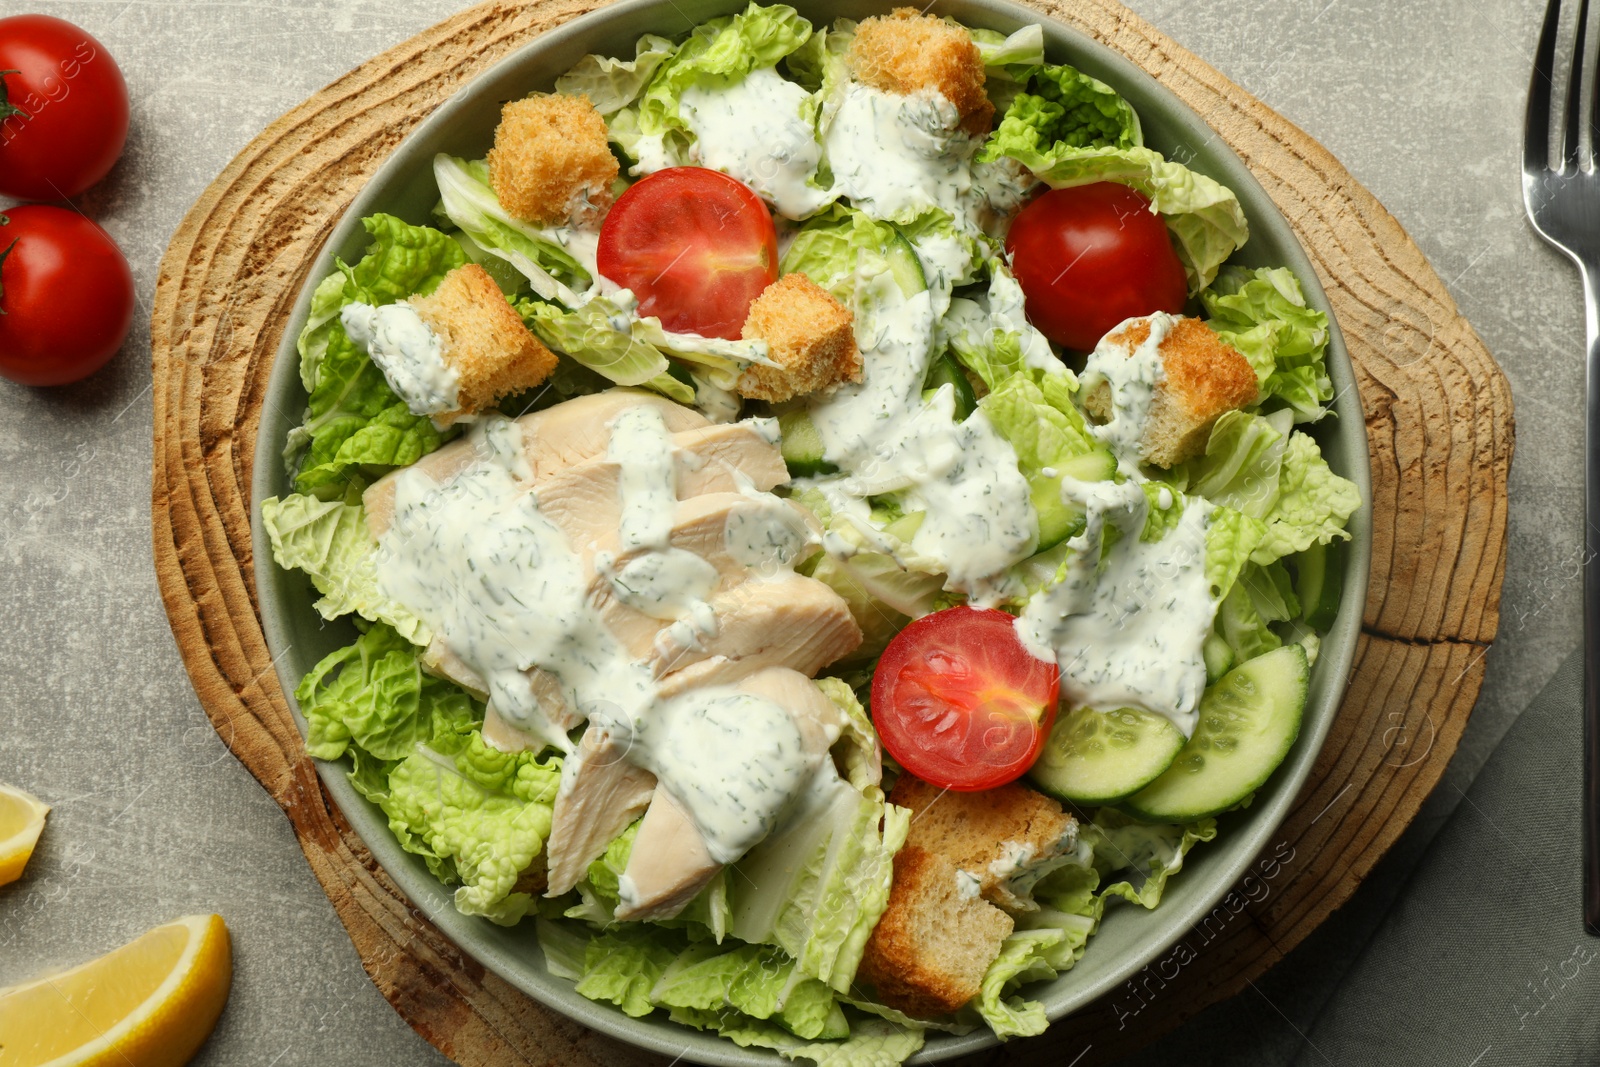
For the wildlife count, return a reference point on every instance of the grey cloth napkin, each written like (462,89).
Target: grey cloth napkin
(1483,961)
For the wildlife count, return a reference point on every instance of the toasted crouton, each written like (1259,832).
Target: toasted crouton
(1204,379)
(551,162)
(928,953)
(907,51)
(1006,838)
(809,334)
(485,341)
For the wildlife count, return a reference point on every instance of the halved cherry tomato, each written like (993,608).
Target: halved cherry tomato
(694,245)
(1091,256)
(960,702)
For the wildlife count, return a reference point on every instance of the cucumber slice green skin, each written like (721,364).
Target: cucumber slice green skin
(1219,656)
(1248,722)
(905,265)
(1319,571)
(946,371)
(1059,520)
(802,445)
(1098,757)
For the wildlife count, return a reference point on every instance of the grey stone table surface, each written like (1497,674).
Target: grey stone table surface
(154,818)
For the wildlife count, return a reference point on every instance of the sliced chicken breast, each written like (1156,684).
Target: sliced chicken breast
(670,862)
(601,793)
(583,500)
(552,439)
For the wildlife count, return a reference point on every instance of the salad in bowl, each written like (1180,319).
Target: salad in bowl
(823,520)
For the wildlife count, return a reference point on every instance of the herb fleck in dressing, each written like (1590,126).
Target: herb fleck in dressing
(897,156)
(1128,619)
(410,355)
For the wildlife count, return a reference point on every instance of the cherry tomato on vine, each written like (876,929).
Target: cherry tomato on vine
(960,702)
(1089,257)
(63,109)
(66,294)
(694,245)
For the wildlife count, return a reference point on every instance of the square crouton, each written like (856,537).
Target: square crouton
(928,953)
(485,341)
(1006,838)
(907,51)
(809,334)
(1204,379)
(551,162)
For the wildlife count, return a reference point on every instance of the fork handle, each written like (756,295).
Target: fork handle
(1591,605)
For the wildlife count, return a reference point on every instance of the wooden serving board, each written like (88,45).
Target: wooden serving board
(1438,417)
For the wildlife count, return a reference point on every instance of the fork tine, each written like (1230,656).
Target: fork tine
(1536,130)
(1572,129)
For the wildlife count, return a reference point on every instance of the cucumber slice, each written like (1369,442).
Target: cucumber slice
(904,264)
(1095,757)
(946,371)
(1320,573)
(1219,657)
(1059,520)
(1247,723)
(802,444)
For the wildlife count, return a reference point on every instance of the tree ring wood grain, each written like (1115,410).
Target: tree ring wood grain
(1439,424)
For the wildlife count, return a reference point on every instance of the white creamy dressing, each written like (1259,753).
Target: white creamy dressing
(659,580)
(895,156)
(979,518)
(410,355)
(755,129)
(735,761)
(500,585)
(1132,375)
(1127,624)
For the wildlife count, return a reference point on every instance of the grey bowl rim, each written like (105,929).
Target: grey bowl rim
(1347,451)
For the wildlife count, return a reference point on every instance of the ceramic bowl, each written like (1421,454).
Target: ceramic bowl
(1130,938)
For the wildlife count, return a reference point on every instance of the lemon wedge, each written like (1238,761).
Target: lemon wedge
(150,1003)
(21,823)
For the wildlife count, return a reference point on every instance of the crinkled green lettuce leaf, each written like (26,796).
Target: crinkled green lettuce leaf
(1313,503)
(1142,856)
(992,337)
(857,752)
(719,52)
(612,84)
(1070,129)
(373,695)
(354,423)
(539,253)
(477,816)
(330,541)
(600,335)
(817,887)
(1263,314)
(1242,462)
(1231,536)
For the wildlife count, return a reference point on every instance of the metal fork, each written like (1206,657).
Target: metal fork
(1562,194)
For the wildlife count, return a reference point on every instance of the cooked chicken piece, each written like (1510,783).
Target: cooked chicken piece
(584,502)
(499,731)
(552,439)
(670,862)
(788,621)
(601,793)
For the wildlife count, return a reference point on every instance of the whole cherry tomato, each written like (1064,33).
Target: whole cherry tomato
(66,296)
(63,109)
